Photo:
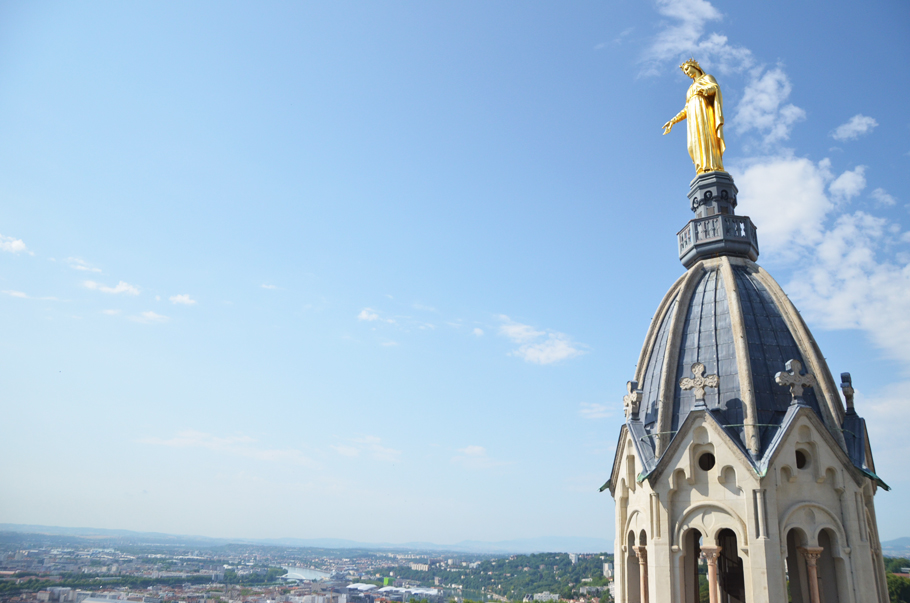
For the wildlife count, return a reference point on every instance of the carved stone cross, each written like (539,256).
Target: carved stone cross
(631,402)
(795,380)
(700,382)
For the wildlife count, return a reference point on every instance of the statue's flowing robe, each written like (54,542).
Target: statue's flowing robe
(705,125)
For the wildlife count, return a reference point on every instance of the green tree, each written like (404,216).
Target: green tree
(703,595)
(899,589)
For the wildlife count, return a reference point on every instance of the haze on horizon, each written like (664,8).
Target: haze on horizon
(380,272)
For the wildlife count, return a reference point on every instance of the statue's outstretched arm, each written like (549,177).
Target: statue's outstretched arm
(676,119)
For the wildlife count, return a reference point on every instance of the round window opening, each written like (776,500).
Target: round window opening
(706,461)
(801,459)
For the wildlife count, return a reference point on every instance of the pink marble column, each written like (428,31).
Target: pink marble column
(710,553)
(642,553)
(811,555)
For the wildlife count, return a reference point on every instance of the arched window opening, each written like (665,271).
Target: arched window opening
(802,459)
(797,584)
(633,577)
(829,574)
(730,576)
(695,581)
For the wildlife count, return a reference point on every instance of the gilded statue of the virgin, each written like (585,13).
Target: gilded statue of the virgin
(704,117)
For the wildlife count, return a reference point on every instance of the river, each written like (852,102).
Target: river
(304,573)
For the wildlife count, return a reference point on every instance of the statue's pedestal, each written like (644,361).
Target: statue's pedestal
(712,193)
(715,230)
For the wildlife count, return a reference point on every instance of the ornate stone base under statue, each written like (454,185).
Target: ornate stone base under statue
(715,230)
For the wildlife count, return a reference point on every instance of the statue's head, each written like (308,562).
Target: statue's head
(692,68)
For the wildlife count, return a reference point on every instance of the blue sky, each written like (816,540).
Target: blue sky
(380,270)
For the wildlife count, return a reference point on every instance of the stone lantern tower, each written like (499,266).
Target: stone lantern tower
(738,460)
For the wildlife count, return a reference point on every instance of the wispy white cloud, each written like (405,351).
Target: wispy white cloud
(787,196)
(183,299)
(517,332)
(373,446)
(882,197)
(683,35)
(423,307)
(475,457)
(12,245)
(592,410)
(849,184)
(121,287)
(22,295)
(618,39)
(763,107)
(273,287)
(149,317)
(538,347)
(348,451)
(79,264)
(242,446)
(111,312)
(556,347)
(370,315)
(389,344)
(887,414)
(478,331)
(857,126)
(848,282)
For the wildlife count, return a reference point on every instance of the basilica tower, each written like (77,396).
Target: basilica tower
(738,453)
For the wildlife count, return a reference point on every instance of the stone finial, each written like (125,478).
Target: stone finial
(631,402)
(796,381)
(699,383)
(847,387)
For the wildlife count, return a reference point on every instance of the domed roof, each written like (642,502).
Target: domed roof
(727,343)
(727,314)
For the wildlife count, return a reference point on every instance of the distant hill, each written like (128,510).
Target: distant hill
(548,544)
(899,547)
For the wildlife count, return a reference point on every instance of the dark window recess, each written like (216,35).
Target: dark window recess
(706,461)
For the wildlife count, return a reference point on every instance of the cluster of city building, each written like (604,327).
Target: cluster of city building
(241,575)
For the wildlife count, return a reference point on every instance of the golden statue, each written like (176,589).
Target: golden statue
(705,125)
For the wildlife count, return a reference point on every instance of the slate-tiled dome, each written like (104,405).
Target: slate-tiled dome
(728,314)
